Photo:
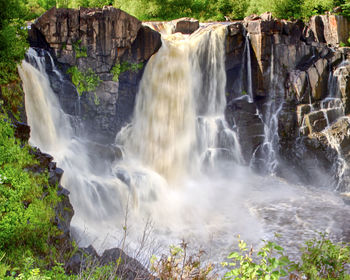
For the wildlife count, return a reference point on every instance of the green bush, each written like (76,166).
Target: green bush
(26,210)
(323,259)
(80,51)
(268,263)
(320,259)
(311,7)
(84,81)
(120,68)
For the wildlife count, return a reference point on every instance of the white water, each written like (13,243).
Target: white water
(177,135)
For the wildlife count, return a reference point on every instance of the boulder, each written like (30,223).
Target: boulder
(186,25)
(123,266)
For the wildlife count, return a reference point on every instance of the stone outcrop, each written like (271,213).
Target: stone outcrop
(185,25)
(105,33)
(243,115)
(330,29)
(125,266)
(96,39)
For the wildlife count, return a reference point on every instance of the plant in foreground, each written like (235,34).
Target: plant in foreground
(323,259)
(181,266)
(268,263)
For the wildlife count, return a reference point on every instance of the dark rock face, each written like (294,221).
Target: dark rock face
(97,39)
(243,115)
(297,70)
(22,131)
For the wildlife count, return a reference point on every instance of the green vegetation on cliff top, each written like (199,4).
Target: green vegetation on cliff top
(201,9)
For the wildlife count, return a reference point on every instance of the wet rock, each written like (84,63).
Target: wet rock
(242,115)
(186,25)
(22,131)
(302,110)
(298,86)
(315,121)
(127,267)
(64,213)
(340,134)
(83,258)
(334,114)
(55,175)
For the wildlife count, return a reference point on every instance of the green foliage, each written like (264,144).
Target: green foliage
(13,46)
(323,259)
(123,67)
(320,259)
(311,7)
(12,99)
(346,8)
(84,81)
(269,262)
(57,272)
(96,99)
(25,211)
(80,51)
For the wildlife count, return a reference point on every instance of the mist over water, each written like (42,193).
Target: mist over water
(182,165)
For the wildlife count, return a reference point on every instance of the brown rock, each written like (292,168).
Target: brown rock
(186,25)
(330,29)
(316,121)
(105,32)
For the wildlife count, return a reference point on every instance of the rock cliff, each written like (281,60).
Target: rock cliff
(300,92)
(287,83)
(96,39)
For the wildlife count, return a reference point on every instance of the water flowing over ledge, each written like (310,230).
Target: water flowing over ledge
(183,160)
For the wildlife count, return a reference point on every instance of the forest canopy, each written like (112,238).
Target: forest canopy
(200,9)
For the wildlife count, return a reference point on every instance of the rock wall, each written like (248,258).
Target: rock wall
(96,39)
(301,78)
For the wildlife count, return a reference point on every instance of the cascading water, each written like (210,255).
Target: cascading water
(178,131)
(268,151)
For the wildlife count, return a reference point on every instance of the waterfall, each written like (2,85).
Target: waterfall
(164,113)
(183,87)
(268,151)
(181,162)
(249,70)
(178,131)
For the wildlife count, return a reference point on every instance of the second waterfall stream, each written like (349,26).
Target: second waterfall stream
(182,172)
